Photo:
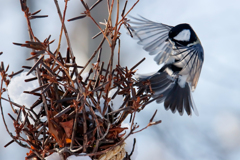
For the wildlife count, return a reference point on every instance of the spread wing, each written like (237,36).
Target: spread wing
(153,36)
(190,60)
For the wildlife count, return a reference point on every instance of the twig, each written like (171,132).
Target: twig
(64,27)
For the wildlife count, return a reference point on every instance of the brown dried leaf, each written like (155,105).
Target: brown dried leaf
(67,126)
(56,132)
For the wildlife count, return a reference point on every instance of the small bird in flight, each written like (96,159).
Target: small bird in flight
(181,52)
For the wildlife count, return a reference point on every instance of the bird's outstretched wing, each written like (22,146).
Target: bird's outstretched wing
(190,60)
(153,36)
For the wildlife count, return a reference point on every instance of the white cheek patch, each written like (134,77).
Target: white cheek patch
(184,35)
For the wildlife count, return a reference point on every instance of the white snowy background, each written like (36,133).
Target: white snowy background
(215,134)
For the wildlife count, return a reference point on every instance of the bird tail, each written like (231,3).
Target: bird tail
(166,89)
(180,99)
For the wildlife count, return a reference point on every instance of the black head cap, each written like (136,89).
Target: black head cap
(182,34)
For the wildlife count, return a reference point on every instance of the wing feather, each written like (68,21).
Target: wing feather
(153,36)
(190,60)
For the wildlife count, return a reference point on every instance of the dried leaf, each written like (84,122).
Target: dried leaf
(67,126)
(56,132)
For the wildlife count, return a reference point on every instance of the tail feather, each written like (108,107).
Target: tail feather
(179,98)
(186,103)
(180,105)
(172,101)
(175,97)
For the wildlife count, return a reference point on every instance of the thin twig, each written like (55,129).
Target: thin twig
(64,27)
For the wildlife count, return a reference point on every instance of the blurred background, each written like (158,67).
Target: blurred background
(214,135)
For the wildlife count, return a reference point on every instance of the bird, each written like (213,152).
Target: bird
(180,53)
